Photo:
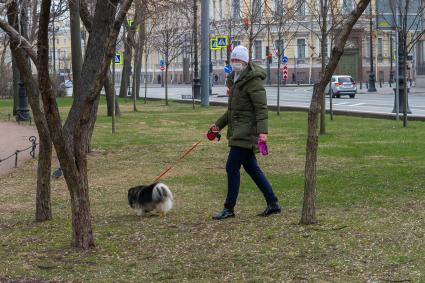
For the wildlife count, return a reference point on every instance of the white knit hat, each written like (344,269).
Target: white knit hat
(240,52)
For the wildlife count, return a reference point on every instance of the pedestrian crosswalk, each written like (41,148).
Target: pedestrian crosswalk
(348,104)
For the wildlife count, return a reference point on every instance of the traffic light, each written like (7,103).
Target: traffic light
(269,56)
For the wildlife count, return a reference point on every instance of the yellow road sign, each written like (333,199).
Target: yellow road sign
(222,41)
(130,23)
(118,58)
(213,44)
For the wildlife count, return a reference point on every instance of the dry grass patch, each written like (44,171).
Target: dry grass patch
(370,210)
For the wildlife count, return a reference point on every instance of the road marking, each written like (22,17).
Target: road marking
(357,104)
(341,103)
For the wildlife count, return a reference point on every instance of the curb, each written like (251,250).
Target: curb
(387,116)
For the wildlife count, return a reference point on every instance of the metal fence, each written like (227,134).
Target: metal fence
(33,147)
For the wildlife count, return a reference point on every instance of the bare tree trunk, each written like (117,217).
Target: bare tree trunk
(323,40)
(138,70)
(43,201)
(140,30)
(109,93)
(90,126)
(70,140)
(166,83)
(128,55)
(71,143)
(308,212)
(77,57)
(146,73)
(43,207)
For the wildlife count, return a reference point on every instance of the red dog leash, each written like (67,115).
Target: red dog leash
(181,157)
(210,135)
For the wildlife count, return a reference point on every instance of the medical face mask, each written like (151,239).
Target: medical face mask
(237,67)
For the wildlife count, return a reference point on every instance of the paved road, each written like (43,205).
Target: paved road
(14,137)
(381,102)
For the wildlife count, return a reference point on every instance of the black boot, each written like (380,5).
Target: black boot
(225,213)
(271,209)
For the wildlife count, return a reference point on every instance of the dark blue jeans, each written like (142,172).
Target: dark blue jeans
(245,157)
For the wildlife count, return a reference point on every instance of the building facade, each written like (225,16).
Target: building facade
(254,24)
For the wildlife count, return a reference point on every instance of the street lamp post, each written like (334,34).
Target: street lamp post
(196,80)
(391,59)
(205,34)
(22,111)
(371,85)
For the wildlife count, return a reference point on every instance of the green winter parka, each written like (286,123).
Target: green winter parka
(246,115)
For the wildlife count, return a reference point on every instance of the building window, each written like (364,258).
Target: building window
(236,9)
(278,7)
(420,53)
(367,49)
(257,49)
(301,8)
(256,8)
(301,48)
(380,49)
(320,48)
(279,47)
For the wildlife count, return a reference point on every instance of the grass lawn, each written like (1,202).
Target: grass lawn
(370,205)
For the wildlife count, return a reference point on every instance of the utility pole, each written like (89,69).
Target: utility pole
(196,80)
(268,55)
(401,102)
(391,59)
(205,33)
(113,92)
(371,85)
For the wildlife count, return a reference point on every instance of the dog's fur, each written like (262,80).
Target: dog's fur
(156,196)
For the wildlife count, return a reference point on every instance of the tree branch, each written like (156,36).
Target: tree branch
(20,41)
(85,15)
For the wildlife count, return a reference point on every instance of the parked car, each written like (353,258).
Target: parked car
(67,84)
(342,85)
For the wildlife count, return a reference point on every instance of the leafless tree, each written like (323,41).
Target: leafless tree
(253,14)
(86,14)
(5,68)
(70,139)
(170,37)
(324,16)
(149,26)
(309,205)
(17,20)
(407,18)
(285,28)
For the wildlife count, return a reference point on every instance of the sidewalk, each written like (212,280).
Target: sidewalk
(14,137)
(386,89)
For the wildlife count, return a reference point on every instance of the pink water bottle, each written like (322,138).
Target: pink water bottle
(262,146)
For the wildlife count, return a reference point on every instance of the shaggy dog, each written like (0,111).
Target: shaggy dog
(156,196)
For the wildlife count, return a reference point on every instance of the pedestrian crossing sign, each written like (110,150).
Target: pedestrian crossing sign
(118,58)
(222,41)
(130,24)
(213,44)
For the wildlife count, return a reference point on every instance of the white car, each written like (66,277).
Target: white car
(67,84)
(342,85)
